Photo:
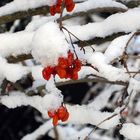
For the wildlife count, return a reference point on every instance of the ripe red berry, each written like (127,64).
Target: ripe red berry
(77,65)
(68,2)
(59,2)
(52,10)
(55,120)
(47,73)
(62,62)
(70,7)
(74,75)
(61,112)
(58,9)
(61,72)
(70,58)
(66,117)
(51,114)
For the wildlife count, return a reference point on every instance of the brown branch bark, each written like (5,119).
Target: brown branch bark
(98,41)
(45,9)
(96,10)
(130,4)
(24,14)
(85,80)
(19,58)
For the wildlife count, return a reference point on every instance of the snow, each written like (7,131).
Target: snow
(84,114)
(113,24)
(80,7)
(98,60)
(44,40)
(85,32)
(130,131)
(48,44)
(102,99)
(15,43)
(40,131)
(16,6)
(134,85)
(93,4)
(53,100)
(12,72)
(117,47)
(42,104)
(67,132)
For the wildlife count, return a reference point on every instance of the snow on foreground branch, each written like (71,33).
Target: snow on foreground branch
(17,6)
(131,131)
(35,40)
(11,41)
(59,52)
(43,104)
(64,133)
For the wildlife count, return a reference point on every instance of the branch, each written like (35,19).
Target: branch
(24,14)
(97,40)
(130,4)
(85,80)
(45,9)
(104,9)
(19,58)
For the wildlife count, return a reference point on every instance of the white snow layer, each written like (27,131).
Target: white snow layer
(42,104)
(131,131)
(48,44)
(117,47)
(16,5)
(78,114)
(113,24)
(12,72)
(15,43)
(11,43)
(93,4)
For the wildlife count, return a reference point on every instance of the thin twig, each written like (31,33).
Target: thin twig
(96,127)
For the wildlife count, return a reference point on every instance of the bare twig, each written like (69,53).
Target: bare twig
(96,127)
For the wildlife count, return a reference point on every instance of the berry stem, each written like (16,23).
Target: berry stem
(61,15)
(73,46)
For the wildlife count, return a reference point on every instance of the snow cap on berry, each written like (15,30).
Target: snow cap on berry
(52,101)
(49,44)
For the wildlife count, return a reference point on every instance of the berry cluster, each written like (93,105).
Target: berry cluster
(60,114)
(69,4)
(66,68)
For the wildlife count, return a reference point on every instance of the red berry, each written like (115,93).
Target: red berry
(70,7)
(52,10)
(66,117)
(77,65)
(62,62)
(61,112)
(59,2)
(70,58)
(74,75)
(55,120)
(47,73)
(58,9)
(68,2)
(124,113)
(51,114)
(61,72)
